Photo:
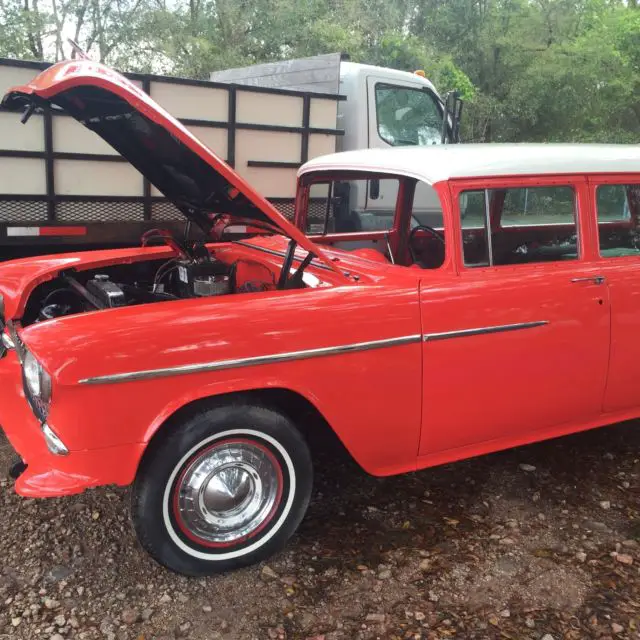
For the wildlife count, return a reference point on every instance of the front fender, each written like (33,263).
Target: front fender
(370,397)
(218,389)
(380,435)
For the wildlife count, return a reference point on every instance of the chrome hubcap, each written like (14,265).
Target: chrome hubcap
(228,492)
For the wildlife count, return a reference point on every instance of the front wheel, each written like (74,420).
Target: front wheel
(224,489)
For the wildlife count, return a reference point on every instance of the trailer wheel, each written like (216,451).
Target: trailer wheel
(225,489)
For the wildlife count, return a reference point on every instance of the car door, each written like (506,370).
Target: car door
(512,349)
(617,203)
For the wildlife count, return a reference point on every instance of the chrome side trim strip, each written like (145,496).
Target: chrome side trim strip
(501,328)
(252,361)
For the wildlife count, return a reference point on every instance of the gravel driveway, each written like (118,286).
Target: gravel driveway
(539,542)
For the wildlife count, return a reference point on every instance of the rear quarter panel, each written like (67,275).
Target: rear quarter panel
(372,399)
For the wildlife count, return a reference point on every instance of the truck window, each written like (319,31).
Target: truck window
(407,116)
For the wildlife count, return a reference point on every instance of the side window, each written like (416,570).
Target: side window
(427,209)
(352,206)
(618,232)
(407,116)
(518,225)
(320,212)
(473,221)
(538,206)
(426,242)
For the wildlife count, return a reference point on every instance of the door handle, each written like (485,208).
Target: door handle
(594,279)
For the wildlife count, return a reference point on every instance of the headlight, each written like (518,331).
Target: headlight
(32,374)
(36,378)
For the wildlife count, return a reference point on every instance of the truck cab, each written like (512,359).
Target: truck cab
(380,108)
(403,109)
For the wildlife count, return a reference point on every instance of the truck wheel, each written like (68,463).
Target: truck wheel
(225,488)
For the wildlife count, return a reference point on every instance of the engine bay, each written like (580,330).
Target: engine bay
(194,273)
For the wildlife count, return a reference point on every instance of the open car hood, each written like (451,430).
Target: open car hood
(187,172)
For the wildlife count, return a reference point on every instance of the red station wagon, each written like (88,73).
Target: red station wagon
(506,313)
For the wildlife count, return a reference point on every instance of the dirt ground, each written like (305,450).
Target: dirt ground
(538,543)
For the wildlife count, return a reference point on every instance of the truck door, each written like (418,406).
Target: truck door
(403,113)
(617,202)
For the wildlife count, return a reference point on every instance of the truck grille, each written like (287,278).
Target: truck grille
(23,211)
(95,211)
(98,210)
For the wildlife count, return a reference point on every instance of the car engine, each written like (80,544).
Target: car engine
(138,283)
(195,272)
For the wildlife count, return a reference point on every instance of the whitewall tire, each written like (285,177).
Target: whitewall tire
(225,488)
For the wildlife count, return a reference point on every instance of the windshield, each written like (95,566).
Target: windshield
(408,116)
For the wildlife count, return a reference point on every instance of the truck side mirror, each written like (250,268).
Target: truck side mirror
(451,116)
(374,188)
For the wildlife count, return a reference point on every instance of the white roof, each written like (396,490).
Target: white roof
(382,73)
(436,163)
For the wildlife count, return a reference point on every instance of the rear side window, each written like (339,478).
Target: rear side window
(518,225)
(538,206)
(618,207)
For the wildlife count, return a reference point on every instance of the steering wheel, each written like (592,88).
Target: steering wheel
(431,231)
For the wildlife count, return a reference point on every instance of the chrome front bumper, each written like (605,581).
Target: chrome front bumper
(54,444)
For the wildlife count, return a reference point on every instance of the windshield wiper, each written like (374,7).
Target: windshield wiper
(286,265)
(295,281)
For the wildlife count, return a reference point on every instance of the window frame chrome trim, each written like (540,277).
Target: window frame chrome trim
(252,361)
(477,331)
(487,223)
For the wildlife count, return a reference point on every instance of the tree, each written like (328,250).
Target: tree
(528,69)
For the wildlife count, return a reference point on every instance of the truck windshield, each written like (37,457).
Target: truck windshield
(408,116)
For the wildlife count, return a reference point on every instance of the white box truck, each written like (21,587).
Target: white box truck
(62,187)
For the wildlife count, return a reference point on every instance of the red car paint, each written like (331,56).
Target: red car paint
(396,409)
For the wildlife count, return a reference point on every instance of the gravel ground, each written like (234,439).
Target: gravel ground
(541,542)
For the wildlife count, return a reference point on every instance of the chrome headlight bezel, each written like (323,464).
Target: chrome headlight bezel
(37,385)
(31,369)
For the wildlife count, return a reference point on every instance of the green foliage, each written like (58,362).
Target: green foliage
(528,69)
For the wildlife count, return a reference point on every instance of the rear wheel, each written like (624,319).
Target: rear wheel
(225,488)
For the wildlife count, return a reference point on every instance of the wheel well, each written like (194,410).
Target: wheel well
(304,414)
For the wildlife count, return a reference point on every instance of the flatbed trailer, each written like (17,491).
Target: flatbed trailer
(62,187)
